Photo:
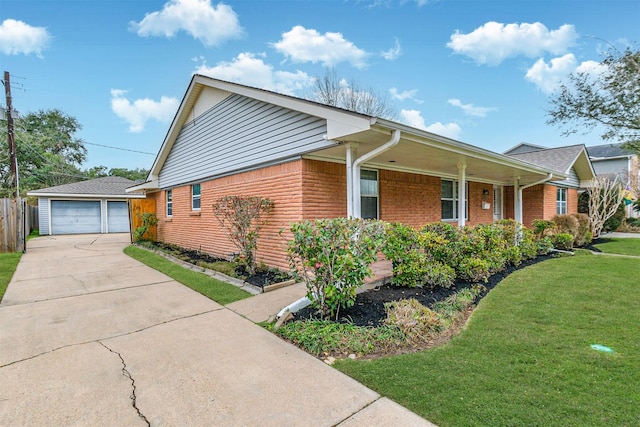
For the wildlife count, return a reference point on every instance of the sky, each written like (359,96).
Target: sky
(480,72)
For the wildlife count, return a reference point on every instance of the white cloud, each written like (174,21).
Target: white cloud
(414,118)
(404,95)
(493,42)
(303,45)
(16,37)
(549,77)
(210,24)
(138,112)
(393,53)
(250,70)
(471,109)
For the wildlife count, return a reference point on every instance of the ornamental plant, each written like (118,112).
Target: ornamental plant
(242,216)
(333,257)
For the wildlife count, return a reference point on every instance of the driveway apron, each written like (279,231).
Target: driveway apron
(89,336)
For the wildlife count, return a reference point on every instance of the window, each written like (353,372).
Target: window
(195,197)
(169,197)
(561,201)
(369,194)
(449,200)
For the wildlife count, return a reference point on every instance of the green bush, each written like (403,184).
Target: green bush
(543,227)
(333,256)
(566,224)
(562,241)
(613,223)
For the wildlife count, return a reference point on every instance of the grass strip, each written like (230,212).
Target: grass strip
(219,291)
(525,357)
(8,263)
(621,246)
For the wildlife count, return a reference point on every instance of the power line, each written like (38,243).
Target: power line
(118,148)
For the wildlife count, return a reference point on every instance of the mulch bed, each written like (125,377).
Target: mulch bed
(261,278)
(368,309)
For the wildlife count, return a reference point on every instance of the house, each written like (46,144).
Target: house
(615,161)
(316,161)
(545,200)
(92,206)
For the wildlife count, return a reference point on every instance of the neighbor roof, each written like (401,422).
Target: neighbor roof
(561,159)
(108,186)
(608,151)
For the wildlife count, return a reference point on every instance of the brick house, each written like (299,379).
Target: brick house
(545,200)
(316,161)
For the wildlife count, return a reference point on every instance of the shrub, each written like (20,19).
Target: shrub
(614,222)
(149,220)
(562,241)
(417,322)
(566,224)
(240,216)
(332,256)
(544,245)
(543,227)
(583,235)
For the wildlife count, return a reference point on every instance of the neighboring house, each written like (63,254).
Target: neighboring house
(545,200)
(316,161)
(616,162)
(93,206)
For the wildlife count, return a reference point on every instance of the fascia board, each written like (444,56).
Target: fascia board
(86,196)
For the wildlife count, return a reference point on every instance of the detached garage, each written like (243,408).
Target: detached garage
(93,206)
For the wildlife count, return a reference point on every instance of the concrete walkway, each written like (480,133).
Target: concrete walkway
(89,336)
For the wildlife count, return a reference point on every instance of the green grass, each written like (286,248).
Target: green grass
(525,359)
(8,263)
(622,246)
(221,292)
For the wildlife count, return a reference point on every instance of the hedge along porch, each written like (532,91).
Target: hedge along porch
(316,161)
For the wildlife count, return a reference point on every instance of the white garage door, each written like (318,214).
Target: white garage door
(75,216)
(117,217)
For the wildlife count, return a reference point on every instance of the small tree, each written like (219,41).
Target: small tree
(241,217)
(605,196)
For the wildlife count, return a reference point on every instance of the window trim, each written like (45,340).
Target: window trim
(454,199)
(169,203)
(195,197)
(561,204)
(376,196)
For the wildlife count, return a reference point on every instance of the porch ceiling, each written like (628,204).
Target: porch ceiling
(417,154)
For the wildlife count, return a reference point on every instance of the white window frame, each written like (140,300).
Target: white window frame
(196,197)
(561,201)
(454,199)
(377,195)
(169,202)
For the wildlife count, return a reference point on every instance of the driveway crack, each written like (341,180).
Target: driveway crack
(126,373)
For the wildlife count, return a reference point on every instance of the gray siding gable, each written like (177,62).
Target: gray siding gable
(572,180)
(240,133)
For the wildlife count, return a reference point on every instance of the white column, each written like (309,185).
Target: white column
(462,205)
(517,200)
(351,157)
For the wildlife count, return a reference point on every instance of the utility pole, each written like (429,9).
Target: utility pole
(13,161)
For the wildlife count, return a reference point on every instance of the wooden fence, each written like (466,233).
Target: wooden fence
(12,229)
(138,207)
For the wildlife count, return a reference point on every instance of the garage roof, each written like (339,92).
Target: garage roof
(106,187)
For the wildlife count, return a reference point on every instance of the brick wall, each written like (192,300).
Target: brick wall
(409,198)
(324,190)
(539,202)
(201,230)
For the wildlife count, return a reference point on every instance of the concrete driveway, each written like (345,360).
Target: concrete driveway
(89,336)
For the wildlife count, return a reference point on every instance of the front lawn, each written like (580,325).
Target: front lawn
(221,292)
(8,263)
(525,357)
(622,246)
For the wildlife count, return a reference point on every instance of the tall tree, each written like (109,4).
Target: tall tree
(331,90)
(610,99)
(49,152)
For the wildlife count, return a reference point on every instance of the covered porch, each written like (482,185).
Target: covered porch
(462,169)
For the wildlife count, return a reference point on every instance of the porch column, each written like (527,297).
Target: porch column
(462,205)
(517,200)
(351,157)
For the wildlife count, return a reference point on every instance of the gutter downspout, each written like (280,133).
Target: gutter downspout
(519,209)
(355,170)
